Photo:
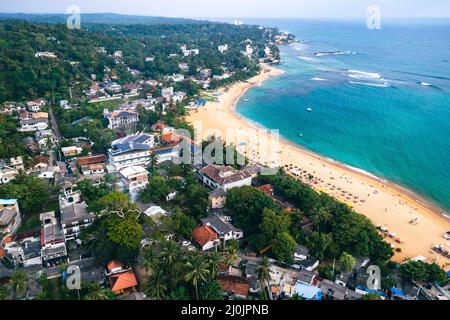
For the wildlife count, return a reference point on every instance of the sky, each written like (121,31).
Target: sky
(239,8)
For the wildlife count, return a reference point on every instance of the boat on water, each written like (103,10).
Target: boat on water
(300,134)
(246,99)
(309,109)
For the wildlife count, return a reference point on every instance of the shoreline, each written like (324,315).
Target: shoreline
(400,204)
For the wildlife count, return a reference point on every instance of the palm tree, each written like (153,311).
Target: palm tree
(263,272)
(4,294)
(231,256)
(19,282)
(197,270)
(170,253)
(321,216)
(98,293)
(156,285)
(151,259)
(214,260)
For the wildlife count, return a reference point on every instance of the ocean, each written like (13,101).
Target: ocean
(380,102)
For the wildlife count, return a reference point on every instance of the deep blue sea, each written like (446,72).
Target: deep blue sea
(382,105)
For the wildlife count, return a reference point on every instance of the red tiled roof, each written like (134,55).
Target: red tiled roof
(122,281)
(40,159)
(224,174)
(114,264)
(8,239)
(2,252)
(172,138)
(233,284)
(94,159)
(267,189)
(204,234)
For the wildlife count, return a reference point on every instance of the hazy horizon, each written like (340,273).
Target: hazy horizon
(221,9)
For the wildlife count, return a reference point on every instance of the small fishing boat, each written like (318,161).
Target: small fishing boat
(309,109)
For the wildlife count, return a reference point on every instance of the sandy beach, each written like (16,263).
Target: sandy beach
(409,222)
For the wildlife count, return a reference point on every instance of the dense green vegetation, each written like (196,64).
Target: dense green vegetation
(336,227)
(25,76)
(11,144)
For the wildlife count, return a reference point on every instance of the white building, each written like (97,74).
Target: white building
(120,118)
(74,218)
(225,177)
(10,218)
(135,178)
(131,151)
(222,48)
(33,124)
(224,229)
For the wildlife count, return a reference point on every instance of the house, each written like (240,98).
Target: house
(225,177)
(36,105)
(151,210)
(172,195)
(25,252)
(164,154)
(222,48)
(120,118)
(234,286)
(205,237)
(120,277)
(135,178)
(112,87)
(71,151)
(10,218)
(91,169)
(267,189)
(301,253)
(171,138)
(53,247)
(184,66)
(45,54)
(133,150)
(224,229)
(309,264)
(217,199)
(167,93)
(93,164)
(306,277)
(307,291)
(40,162)
(69,194)
(33,124)
(7,174)
(31,144)
(336,291)
(74,218)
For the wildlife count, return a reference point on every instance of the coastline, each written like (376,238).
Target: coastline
(385,203)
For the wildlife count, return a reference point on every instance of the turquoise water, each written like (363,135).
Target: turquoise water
(390,115)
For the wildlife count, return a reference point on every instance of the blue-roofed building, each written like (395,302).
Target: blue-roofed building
(133,150)
(10,218)
(307,292)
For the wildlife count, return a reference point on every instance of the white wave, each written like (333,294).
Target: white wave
(306,58)
(372,84)
(364,75)
(425,84)
(318,79)
(334,53)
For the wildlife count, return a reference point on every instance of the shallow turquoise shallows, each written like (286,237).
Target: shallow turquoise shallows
(380,99)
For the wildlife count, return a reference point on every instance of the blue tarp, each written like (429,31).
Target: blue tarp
(308,292)
(448,273)
(398,292)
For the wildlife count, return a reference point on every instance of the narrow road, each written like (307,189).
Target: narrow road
(54,124)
